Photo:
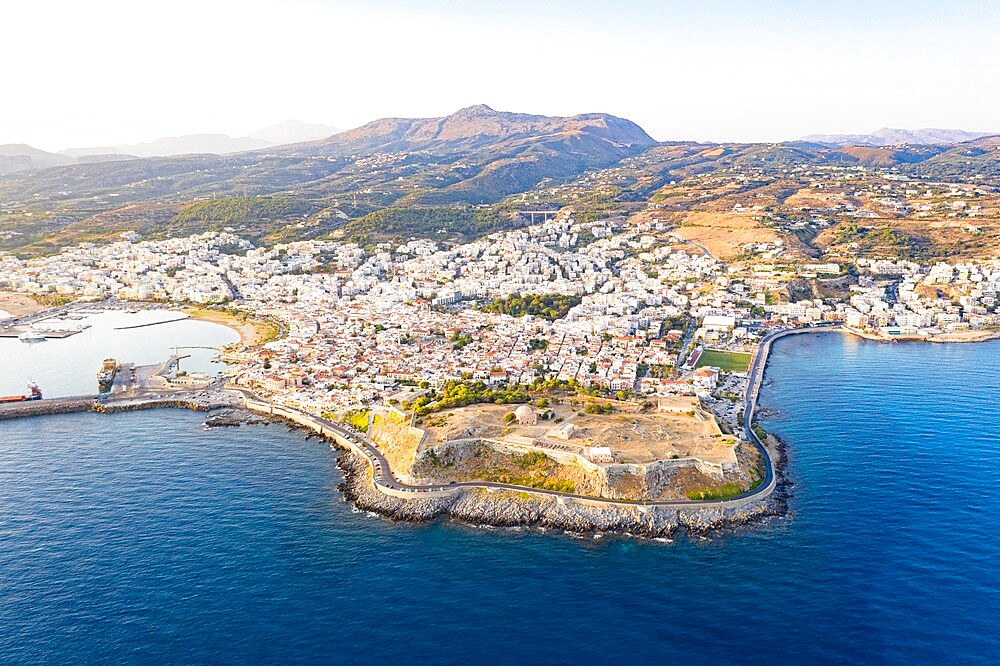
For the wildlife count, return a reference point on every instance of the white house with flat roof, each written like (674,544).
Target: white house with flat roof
(719,323)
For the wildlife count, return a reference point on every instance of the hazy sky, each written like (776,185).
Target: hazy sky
(99,72)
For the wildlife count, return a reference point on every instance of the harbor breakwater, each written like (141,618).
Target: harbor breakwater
(19,410)
(90,404)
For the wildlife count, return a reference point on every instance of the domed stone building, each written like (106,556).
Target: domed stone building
(526,415)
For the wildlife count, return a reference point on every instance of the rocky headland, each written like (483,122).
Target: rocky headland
(522,509)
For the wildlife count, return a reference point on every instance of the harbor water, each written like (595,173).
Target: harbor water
(68,366)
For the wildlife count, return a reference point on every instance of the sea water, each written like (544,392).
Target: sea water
(143,537)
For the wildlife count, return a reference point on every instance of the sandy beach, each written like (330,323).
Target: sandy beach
(252,332)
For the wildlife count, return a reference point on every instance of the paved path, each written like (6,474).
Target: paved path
(384,477)
(755,378)
(681,239)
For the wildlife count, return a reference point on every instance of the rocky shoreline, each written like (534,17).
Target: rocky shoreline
(505,509)
(234,418)
(517,509)
(476,506)
(511,509)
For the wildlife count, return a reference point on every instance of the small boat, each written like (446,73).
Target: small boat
(32,336)
(106,375)
(34,393)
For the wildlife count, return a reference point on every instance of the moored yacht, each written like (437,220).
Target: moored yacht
(32,335)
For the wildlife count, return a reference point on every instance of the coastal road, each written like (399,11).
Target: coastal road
(755,378)
(384,477)
(381,468)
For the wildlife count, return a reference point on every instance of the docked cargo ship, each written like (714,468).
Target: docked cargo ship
(34,393)
(106,376)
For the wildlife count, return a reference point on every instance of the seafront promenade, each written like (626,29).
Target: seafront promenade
(385,480)
(382,475)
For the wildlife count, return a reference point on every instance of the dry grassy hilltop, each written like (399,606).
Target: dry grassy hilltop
(669,450)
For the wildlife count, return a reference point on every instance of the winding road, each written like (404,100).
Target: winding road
(385,479)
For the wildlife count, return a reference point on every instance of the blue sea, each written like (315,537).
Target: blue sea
(144,538)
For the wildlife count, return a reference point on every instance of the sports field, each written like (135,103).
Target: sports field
(725,361)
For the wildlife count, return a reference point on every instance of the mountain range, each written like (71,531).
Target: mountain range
(888,136)
(18,157)
(476,155)
(475,126)
(21,157)
(463,175)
